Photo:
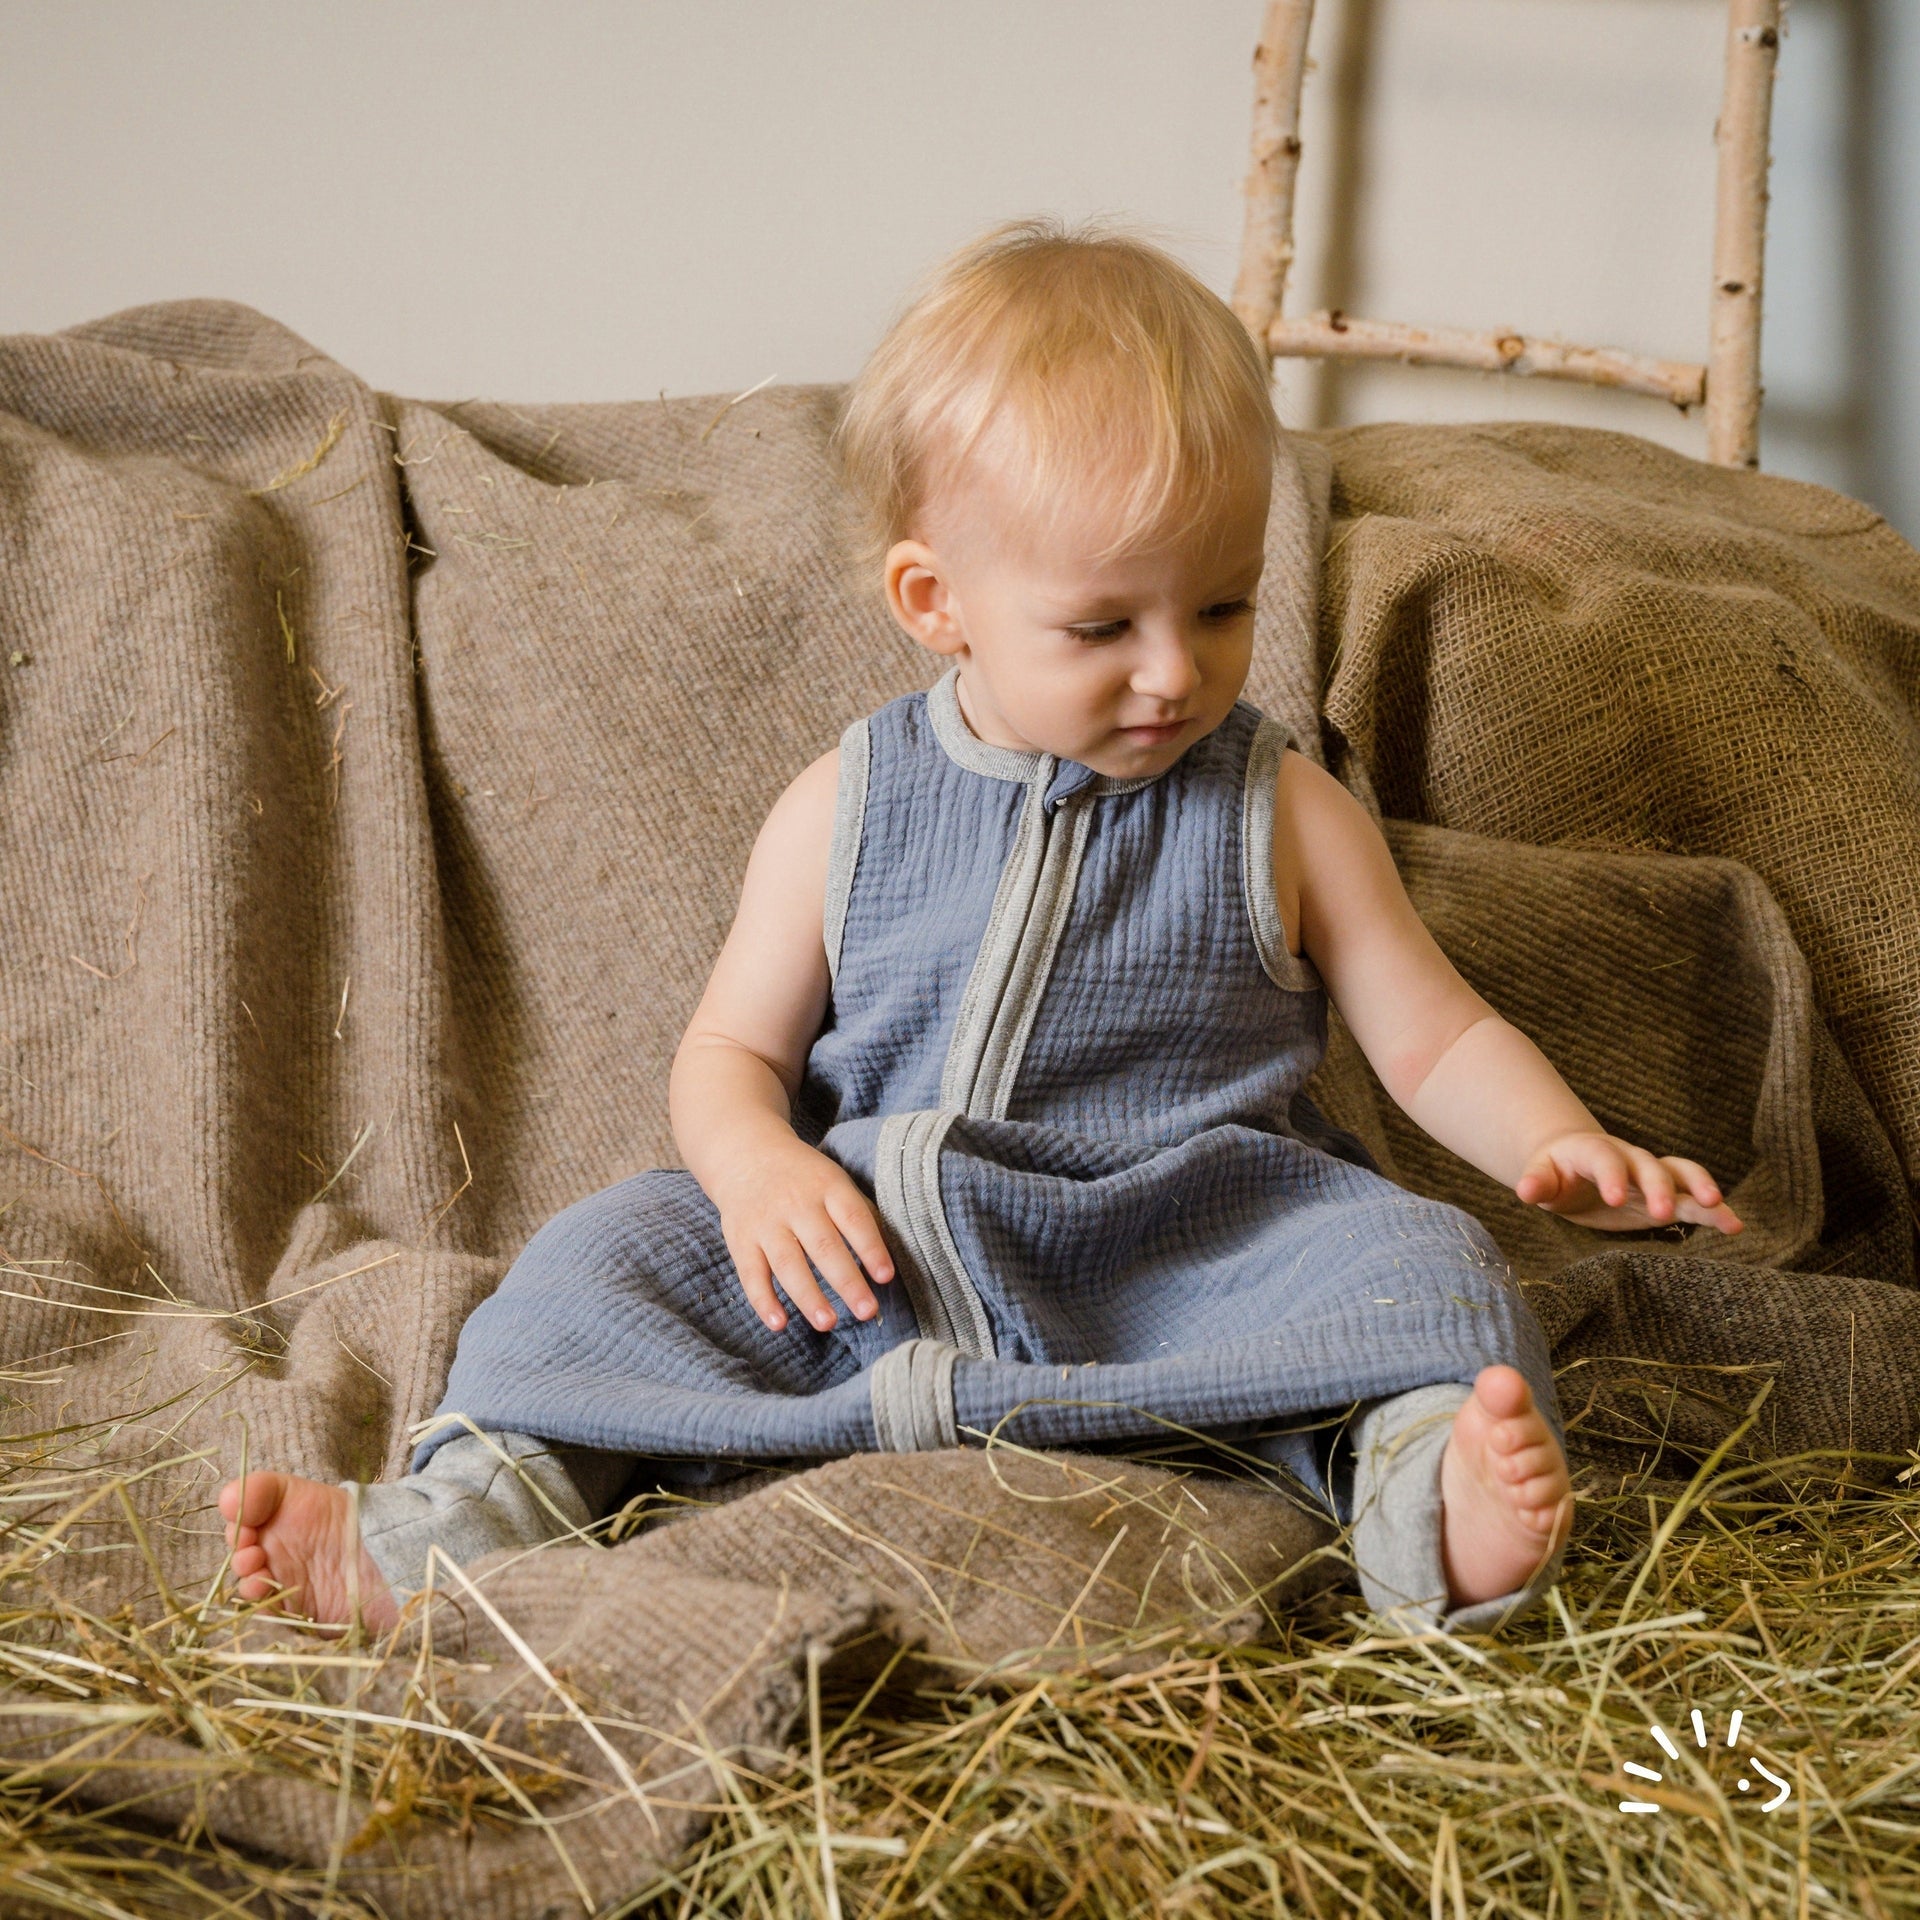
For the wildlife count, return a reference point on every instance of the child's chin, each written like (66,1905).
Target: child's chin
(1130,754)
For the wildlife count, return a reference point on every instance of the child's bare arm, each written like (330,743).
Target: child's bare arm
(782,1204)
(1475,1083)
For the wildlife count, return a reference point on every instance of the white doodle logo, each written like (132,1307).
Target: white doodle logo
(1779,1800)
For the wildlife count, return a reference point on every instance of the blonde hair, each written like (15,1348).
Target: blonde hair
(1097,348)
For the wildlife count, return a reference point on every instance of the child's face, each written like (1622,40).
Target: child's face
(1119,661)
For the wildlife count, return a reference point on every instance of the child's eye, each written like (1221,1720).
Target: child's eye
(1096,631)
(1227,610)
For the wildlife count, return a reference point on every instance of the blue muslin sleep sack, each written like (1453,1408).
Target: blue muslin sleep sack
(1064,1055)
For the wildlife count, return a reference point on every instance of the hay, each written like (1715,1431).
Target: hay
(1336,1773)
(300,468)
(82,1684)
(1331,1772)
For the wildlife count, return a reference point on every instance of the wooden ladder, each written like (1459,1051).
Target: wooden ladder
(1728,385)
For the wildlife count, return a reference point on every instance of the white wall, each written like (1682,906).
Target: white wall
(571,199)
(588,199)
(1541,165)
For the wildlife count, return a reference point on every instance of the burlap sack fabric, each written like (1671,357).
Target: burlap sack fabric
(377,781)
(1579,640)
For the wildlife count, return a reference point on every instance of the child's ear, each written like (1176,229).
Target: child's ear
(919,597)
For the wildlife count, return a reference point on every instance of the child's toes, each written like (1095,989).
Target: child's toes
(1503,1394)
(1541,1502)
(1518,1430)
(1540,1493)
(1528,1463)
(1542,1522)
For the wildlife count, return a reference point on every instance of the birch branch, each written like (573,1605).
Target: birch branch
(1334,336)
(1740,233)
(1266,241)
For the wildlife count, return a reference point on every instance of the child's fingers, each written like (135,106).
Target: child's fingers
(1722,1216)
(1572,1189)
(837,1267)
(1655,1182)
(756,1282)
(1611,1172)
(790,1268)
(848,1210)
(1540,1184)
(1701,1202)
(1692,1176)
(1591,1160)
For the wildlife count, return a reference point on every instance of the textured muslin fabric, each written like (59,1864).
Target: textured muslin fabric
(378,778)
(1578,639)
(1065,1055)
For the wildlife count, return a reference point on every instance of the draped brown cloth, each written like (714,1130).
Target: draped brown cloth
(377,779)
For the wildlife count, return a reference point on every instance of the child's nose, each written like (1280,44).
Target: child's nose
(1168,671)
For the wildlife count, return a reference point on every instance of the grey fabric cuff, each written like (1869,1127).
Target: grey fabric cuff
(478,1494)
(912,1393)
(1397,1446)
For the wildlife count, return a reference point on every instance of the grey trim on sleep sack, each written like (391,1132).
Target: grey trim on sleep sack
(966,749)
(1008,980)
(907,1194)
(1001,1001)
(912,1394)
(1016,955)
(1031,965)
(1285,968)
(843,852)
(912,1386)
(981,1003)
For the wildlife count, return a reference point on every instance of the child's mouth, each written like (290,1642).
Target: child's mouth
(1156,736)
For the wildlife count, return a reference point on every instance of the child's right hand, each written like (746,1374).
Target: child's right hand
(790,1211)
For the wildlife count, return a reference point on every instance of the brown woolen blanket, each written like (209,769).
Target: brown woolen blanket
(377,779)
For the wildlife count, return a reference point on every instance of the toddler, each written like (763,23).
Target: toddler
(1005,1050)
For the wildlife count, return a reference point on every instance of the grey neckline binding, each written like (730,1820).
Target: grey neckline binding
(966,749)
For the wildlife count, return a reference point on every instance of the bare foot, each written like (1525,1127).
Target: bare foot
(289,1538)
(1506,1501)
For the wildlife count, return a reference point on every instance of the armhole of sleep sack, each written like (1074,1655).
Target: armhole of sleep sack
(1283,967)
(843,853)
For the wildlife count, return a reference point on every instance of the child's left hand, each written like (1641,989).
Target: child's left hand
(1595,1180)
